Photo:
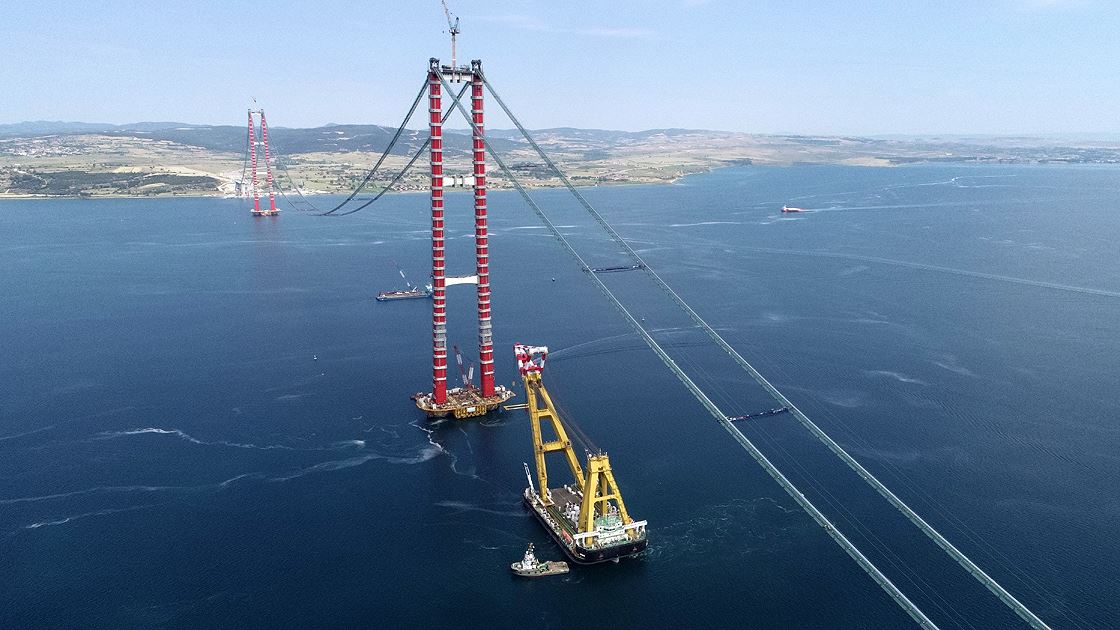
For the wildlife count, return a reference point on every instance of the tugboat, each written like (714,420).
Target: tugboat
(792,209)
(531,567)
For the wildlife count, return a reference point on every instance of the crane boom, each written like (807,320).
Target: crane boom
(452,27)
(588,519)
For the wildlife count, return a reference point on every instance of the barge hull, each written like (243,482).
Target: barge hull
(584,556)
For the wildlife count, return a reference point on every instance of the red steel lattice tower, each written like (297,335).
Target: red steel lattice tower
(439,288)
(481,238)
(253,166)
(466,401)
(268,166)
(272,210)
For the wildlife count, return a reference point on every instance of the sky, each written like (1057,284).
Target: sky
(867,67)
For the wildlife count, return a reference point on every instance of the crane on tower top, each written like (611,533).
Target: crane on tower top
(452,27)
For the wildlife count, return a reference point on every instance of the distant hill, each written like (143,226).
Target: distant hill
(45,158)
(604,135)
(53,127)
(284,140)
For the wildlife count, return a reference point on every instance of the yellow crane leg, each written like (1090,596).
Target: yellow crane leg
(538,412)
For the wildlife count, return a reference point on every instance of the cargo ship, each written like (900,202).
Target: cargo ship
(792,209)
(410,293)
(587,518)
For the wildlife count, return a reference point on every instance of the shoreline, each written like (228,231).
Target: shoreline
(534,185)
(219,195)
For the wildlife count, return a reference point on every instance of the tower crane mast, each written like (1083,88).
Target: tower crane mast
(452,27)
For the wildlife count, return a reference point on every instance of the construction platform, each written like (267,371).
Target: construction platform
(462,402)
(609,541)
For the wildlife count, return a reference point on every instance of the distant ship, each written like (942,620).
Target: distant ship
(405,294)
(792,209)
(411,293)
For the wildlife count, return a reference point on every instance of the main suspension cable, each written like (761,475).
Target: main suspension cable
(963,560)
(884,582)
(400,174)
(388,149)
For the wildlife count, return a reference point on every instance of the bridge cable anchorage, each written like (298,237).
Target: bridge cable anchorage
(1004,596)
(400,174)
(882,580)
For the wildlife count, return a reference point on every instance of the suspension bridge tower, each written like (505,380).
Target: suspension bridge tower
(254,188)
(468,400)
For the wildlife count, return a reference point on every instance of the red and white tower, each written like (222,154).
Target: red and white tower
(439,287)
(466,401)
(254,185)
(481,244)
(253,167)
(272,211)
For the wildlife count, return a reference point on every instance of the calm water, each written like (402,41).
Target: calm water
(204,418)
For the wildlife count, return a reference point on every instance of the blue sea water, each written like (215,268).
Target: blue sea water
(205,422)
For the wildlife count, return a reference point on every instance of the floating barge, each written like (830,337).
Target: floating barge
(588,518)
(616,268)
(609,539)
(462,402)
(761,414)
(406,294)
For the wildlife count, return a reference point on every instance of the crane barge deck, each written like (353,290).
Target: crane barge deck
(587,518)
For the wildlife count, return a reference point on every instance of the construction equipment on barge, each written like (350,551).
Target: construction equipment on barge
(466,401)
(588,518)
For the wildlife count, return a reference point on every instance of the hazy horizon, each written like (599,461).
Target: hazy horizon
(998,68)
(1083,135)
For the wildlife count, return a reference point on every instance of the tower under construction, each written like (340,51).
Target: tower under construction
(254,188)
(468,400)
(587,518)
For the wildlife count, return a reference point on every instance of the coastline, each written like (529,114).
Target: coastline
(554,183)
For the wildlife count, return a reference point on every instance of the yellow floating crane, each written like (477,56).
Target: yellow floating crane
(587,518)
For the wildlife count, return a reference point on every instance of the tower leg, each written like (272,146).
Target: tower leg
(481,237)
(253,165)
(439,295)
(268,166)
